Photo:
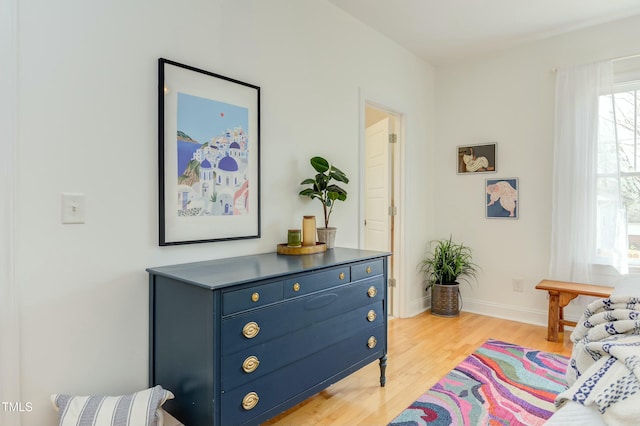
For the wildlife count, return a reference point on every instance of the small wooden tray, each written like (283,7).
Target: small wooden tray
(285,249)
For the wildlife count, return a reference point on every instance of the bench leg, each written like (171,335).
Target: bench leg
(554,316)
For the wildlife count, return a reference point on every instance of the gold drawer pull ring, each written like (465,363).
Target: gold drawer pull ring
(372,291)
(368,269)
(372,342)
(250,400)
(371,316)
(255,296)
(250,364)
(296,287)
(250,330)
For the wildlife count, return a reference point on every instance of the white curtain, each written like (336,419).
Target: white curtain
(575,213)
(9,314)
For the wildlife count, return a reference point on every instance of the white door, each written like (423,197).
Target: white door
(377,226)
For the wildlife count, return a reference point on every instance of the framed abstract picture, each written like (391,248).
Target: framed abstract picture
(501,198)
(209,156)
(477,159)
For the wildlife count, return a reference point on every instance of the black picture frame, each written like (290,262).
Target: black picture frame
(209,171)
(477,159)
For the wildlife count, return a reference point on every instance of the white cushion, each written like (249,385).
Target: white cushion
(573,413)
(138,409)
(628,285)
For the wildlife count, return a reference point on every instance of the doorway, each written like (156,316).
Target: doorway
(380,220)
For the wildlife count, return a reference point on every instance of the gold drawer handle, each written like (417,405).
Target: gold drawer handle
(250,364)
(372,342)
(371,316)
(250,330)
(250,400)
(372,291)
(255,296)
(341,276)
(296,287)
(368,270)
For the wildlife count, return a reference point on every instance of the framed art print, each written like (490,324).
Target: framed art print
(209,156)
(501,198)
(477,159)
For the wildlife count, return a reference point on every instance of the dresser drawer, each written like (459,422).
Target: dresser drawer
(367,269)
(316,281)
(258,326)
(252,363)
(271,391)
(251,297)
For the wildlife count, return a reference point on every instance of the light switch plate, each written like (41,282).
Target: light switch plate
(73,208)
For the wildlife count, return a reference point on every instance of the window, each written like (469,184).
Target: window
(618,167)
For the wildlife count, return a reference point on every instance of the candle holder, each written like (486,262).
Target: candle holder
(294,238)
(309,231)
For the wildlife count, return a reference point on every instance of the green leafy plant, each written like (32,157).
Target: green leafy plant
(447,263)
(321,187)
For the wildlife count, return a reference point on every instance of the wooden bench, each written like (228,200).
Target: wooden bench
(560,294)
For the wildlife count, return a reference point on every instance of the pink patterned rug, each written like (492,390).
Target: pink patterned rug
(499,384)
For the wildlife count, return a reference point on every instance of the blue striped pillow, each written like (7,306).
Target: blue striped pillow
(140,408)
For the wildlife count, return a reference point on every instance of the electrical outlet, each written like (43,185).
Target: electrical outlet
(518,285)
(72,208)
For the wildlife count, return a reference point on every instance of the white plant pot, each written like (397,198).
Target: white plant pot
(327,236)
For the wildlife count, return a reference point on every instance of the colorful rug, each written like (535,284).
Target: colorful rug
(499,384)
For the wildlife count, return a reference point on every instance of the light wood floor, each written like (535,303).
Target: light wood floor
(421,350)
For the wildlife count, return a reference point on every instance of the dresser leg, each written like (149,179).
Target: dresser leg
(383,369)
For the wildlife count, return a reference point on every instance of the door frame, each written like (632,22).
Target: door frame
(398,303)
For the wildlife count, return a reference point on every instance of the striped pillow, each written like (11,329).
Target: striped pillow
(141,408)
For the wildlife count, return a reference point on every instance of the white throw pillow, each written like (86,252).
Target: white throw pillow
(138,409)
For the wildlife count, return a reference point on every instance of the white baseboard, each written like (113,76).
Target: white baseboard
(513,313)
(509,312)
(490,309)
(417,306)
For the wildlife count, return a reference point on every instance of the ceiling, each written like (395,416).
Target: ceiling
(447,31)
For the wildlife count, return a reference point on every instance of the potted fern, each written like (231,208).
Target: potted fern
(443,267)
(327,192)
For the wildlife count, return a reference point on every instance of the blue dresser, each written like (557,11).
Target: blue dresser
(240,340)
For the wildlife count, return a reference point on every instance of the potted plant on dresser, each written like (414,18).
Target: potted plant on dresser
(443,268)
(327,192)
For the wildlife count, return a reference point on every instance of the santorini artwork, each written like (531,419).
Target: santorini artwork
(213,157)
(209,156)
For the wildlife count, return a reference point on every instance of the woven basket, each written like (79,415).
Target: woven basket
(445,300)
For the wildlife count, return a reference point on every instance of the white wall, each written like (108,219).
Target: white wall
(87,123)
(9,314)
(508,98)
